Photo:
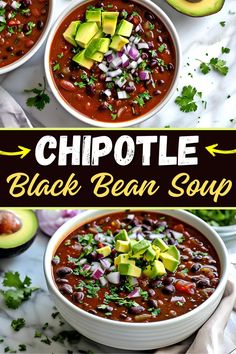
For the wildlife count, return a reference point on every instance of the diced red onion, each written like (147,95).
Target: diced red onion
(144,75)
(105,263)
(114,73)
(125,60)
(140,60)
(154,236)
(131,84)
(133,71)
(97,274)
(95,265)
(2,5)
(133,65)
(110,57)
(108,79)
(133,53)
(137,40)
(86,267)
(138,28)
(178,298)
(177,235)
(143,45)
(114,278)
(82,261)
(99,237)
(108,53)
(103,67)
(120,82)
(139,237)
(107,92)
(109,239)
(132,38)
(121,52)
(112,268)
(15,5)
(116,62)
(103,281)
(132,236)
(134,293)
(151,45)
(51,220)
(122,95)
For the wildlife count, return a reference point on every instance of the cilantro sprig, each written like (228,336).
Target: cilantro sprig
(186,101)
(216,64)
(40,99)
(18,324)
(142,98)
(19,291)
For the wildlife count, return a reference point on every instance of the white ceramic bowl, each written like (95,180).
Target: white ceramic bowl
(136,336)
(170,27)
(227,233)
(37,45)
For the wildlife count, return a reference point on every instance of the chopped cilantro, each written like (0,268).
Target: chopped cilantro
(225,50)
(45,326)
(142,98)
(154,312)
(151,26)
(186,100)
(56,67)
(162,48)
(19,290)
(18,324)
(46,340)
(114,116)
(61,55)
(37,334)
(134,13)
(180,303)
(22,347)
(216,64)
(31,26)
(54,314)
(40,99)
(91,286)
(72,337)
(124,13)
(222,23)
(80,84)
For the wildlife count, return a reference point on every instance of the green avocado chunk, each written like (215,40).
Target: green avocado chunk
(109,22)
(161,244)
(197,8)
(85,33)
(174,252)
(105,251)
(124,28)
(122,235)
(140,247)
(154,270)
(170,263)
(150,254)
(118,42)
(16,240)
(71,31)
(94,16)
(122,246)
(82,60)
(129,269)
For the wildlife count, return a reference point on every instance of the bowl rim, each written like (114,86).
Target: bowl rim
(36,47)
(85,119)
(70,225)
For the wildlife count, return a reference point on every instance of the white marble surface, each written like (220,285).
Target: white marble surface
(198,37)
(37,311)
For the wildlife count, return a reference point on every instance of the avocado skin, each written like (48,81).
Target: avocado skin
(196,15)
(13,252)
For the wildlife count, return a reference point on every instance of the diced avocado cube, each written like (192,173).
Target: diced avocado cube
(118,42)
(122,235)
(161,244)
(94,16)
(138,255)
(156,269)
(109,22)
(82,60)
(85,33)
(174,252)
(132,243)
(105,251)
(97,57)
(103,45)
(70,32)
(157,250)
(124,28)
(150,254)
(129,269)
(170,263)
(123,258)
(140,247)
(122,246)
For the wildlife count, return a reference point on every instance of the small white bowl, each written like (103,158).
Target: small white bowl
(227,233)
(85,119)
(136,336)
(37,45)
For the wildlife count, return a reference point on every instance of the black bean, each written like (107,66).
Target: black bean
(61,75)
(123,316)
(203,283)
(157,92)
(25,28)
(62,281)
(78,296)
(66,289)
(168,289)
(9,49)
(160,82)
(130,89)
(103,106)
(156,284)
(103,96)
(26,3)
(100,4)
(147,222)
(153,303)
(149,16)
(145,228)
(184,258)
(162,69)
(144,56)
(92,311)
(168,280)
(159,39)
(195,267)
(62,272)
(19,53)
(136,310)
(55,260)
(171,67)
(151,292)
(40,25)
(90,90)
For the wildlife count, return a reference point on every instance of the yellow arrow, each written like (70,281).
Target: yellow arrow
(213,151)
(23,151)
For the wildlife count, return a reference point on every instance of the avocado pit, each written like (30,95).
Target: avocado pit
(9,223)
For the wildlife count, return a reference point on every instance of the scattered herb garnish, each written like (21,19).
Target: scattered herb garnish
(225,50)
(142,98)
(222,23)
(19,291)
(186,101)
(22,348)
(154,312)
(162,48)
(216,64)
(40,99)
(18,324)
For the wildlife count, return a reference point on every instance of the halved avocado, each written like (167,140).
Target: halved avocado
(18,229)
(197,8)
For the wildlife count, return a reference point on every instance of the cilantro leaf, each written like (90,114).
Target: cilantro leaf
(205,68)
(142,98)
(18,324)
(225,50)
(19,290)
(219,65)
(186,100)
(40,99)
